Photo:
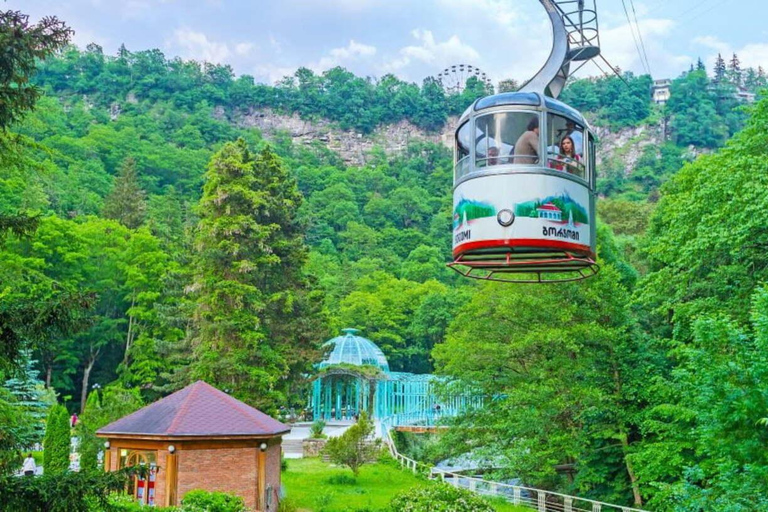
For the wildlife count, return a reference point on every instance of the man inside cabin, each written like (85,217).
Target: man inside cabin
(527,146)
(493,155)
(576,135)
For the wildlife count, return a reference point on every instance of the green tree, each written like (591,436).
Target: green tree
(17,433)
(695,119)
(508,85)
(88,443)
(24,45)
(127,201)
(30,395)
(566,377)
(56,444)
(250,252)
(705,263)
(355,447)
(720,69)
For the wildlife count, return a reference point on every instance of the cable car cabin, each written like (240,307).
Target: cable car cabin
(524,191)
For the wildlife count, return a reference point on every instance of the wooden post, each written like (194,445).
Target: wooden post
(171,479)
(261,478)
(108,459)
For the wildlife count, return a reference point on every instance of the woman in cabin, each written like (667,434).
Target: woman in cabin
(568,156)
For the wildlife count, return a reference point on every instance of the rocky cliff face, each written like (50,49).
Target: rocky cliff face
(627,144)
(351,146)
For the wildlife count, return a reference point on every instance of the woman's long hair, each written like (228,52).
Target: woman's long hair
(573,147)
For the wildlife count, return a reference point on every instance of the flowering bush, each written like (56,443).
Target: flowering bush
(439,498)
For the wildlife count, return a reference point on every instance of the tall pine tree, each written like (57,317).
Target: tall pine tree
(734,71)
(250,252)
(127,201)
(57,441)
(720,69)
(30,394)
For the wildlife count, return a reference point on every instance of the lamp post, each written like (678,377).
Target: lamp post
(261,475)
(171,473)
(107,457)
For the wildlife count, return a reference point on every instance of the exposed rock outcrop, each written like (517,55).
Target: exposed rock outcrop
(353,147)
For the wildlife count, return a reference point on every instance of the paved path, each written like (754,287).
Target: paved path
(300,431)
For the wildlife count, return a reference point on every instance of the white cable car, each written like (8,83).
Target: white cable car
(524,174)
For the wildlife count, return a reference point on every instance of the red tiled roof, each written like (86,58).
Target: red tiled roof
(549,206)
(197,410)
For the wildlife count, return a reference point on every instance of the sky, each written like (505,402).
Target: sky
(412,39)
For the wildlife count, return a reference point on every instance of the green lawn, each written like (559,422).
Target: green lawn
(316,486)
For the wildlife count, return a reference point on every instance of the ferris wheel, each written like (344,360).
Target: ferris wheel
(454,78)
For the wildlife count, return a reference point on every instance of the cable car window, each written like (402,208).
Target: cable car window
(463,141)
(592,160)
(463,144)
(507,138)
(565,146)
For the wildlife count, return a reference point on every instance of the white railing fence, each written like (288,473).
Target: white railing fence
(535,499)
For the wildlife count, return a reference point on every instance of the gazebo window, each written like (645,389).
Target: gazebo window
(142,487)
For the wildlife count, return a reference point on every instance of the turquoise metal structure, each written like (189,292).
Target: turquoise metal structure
(355,377)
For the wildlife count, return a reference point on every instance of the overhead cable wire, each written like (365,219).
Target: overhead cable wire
(634,38)
(640,35)
(615,72)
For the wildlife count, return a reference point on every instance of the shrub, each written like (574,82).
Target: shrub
(287,505)
(199,500)
(121,502)
(341,479)
(354,447)
(61,492)
(316,430)
(439,498)
(56,444)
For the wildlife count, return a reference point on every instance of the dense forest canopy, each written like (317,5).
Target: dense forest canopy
(163,241)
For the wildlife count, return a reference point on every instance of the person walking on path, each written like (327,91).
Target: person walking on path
(29,466)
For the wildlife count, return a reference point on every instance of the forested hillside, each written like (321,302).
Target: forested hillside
(164,241)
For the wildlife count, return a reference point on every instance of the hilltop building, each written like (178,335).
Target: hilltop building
(745,96)
(660,91)
(198,438)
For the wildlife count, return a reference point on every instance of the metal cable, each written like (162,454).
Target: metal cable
(640,35)
(634,38)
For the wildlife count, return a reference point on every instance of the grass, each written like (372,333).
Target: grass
(316,486)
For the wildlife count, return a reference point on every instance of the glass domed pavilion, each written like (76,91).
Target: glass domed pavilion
(355,377)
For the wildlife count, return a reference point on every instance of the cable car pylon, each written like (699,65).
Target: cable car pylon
(524,173)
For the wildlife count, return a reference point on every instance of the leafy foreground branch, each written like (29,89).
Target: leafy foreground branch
(62,492)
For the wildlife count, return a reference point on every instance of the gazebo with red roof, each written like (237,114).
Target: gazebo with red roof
(199,438)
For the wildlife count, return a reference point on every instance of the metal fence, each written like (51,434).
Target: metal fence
(535,499)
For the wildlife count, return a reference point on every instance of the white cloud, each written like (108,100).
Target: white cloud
(350,5)
(137,9)
(271,73)
(243,48)
(431,52)
(352,52)
(275,44)
(196,45)
(502,12)
(84,37)
(712,42)
(754,55)
(620,49)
